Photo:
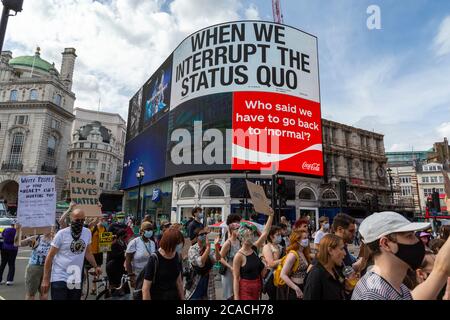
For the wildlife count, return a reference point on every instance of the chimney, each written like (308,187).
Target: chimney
(67,67)
(6,56)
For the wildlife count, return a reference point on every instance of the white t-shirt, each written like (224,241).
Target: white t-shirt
(319,235)
(142,252)
(68,262)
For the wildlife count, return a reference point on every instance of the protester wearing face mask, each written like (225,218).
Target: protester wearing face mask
(324,229)
(202,260)
(395,249)
(247,265)
(227,253)
(139,250)
(96,230)
(196,223)
(162,278)
(115,259)
(68,250)
(271,258)
(295,267)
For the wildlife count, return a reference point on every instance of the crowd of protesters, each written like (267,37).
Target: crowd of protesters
(397,260)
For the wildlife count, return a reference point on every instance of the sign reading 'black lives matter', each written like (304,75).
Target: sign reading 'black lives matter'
(85,193)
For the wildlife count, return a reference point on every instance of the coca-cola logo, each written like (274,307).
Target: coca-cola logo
(311,166)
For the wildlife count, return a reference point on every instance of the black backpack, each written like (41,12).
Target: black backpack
(137,294)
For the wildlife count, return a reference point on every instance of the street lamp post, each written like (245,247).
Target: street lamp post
(140,176)
(8,5)
(389,171)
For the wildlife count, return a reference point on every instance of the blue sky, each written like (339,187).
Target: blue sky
(395,81)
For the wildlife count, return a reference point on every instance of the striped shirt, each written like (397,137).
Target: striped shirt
(373,287)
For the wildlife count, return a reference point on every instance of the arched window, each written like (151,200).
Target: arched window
(329,195)
(187,192)
(13,95)
(307,194)
(213,191)
(15,156)
(33,94)
(58,99)
(351,196)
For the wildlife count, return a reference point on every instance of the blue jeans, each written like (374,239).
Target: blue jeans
(60,291)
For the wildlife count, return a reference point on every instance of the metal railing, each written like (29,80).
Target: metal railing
(49,169)
(10,166)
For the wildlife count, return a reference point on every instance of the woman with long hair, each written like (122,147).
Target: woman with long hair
(227,253)
(295,267)
(271,255)
(247,266)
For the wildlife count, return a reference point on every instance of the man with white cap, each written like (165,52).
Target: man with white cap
(395,248)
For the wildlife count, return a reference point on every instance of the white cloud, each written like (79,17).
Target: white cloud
(442,39)
(252,13)
(119,43)
(444,129)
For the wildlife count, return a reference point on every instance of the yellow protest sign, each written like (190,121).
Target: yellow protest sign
(105,242)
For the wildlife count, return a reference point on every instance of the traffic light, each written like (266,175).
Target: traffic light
(281,186)
(436,201)
(14,5)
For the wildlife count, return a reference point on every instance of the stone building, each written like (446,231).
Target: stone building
(97,147)
(36,114)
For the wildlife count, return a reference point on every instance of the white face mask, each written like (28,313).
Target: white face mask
(278,239)
(304,243)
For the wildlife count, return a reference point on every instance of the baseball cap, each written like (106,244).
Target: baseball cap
(424,234)
(381,224)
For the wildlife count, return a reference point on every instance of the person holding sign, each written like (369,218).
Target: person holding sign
(247,266)
(64,263)
(34,272)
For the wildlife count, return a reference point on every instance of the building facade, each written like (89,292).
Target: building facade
(36,114)
(97,147)
(354,155)
(430,176)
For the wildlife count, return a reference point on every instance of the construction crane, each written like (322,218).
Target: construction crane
(276,8)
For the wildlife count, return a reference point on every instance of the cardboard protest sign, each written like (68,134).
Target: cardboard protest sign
(36,208)
(85,193)
(105,242)
(259,199)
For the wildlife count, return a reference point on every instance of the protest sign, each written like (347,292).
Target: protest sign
(85,193)
(36,207)
(259,199)
(105,242)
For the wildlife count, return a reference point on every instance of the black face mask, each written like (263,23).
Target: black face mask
(76,227)
(411,254)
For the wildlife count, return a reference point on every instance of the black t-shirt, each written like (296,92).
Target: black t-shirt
(194,225)
(320,285)
(167,273)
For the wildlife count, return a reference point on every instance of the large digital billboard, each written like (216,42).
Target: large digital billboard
(240,96)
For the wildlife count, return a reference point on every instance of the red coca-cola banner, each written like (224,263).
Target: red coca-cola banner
(274,128)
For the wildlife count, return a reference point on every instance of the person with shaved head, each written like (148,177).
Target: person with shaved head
(64,263)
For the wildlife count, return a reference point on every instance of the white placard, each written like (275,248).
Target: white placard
(246,56)
(37,201)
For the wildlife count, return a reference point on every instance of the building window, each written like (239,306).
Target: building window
(58,99)
(433,179)
(101,184)
(102,176)
(15,156)
(22,120)
(213,191)
(425,179)
(440,190)
(427,192)
(441,179)
(55,124)
(33,94)
(405,179)
(80,155)
(13,95)
(92,155)
(103,166)
(78,164)
(82,145)
(72,164)
(187,192)
(91,166)
(51,149)
(94,146)
(406,190)
(107,177)
(107,186)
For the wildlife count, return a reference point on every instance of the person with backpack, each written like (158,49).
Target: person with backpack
(34,271)
(163,272)
(201,260)
(227,253)
(272,257)
(247,265)
(291,273)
